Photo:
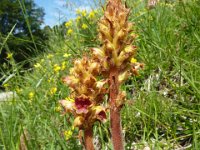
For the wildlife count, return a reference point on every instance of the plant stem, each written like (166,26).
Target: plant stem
(115,120)
(88,136)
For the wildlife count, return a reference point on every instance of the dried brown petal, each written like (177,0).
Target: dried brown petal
(120,98)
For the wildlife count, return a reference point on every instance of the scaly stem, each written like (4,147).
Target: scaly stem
(115,120)
(88,136)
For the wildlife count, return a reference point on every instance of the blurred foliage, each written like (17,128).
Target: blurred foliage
(20,32)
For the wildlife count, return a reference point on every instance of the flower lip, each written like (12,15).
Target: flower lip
(82,104)
(101,116)
(100,113)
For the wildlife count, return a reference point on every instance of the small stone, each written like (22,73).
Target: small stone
(147,148)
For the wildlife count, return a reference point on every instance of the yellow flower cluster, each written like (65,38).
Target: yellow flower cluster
(81,12)
(49,56)
(84,26)
(58,108)
(9,55)
(69,31)
(66,55)
(68,133)
(63,66)
(68,24)
(92,14)
(78,19)
(56,68)
(31,95)
(53,90)
(5,85)
(133,60)
(37,65)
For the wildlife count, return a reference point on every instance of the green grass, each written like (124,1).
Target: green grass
(162,110)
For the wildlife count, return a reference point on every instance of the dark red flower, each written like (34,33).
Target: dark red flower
(82,104)
(101,116)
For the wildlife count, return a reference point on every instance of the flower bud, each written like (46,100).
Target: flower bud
(93,68)
(123,76)
(104,32)
(98,53)
(119,37)
(109,47)
(130,49)
(79,121)
(101,83)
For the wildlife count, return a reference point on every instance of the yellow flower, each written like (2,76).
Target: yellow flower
(133,60)
(37,65)
(9,55)
(51,80)
(18,90)
(53,90)
(72,128)
(71,70)
(63,66)
(69,31)
(49,56)
(68,134)
(5,85)
(84,26)
(56,68)
(78,11)
(69,99)
(66,55)
(83,13)
(78,19)
(31,95)
(68,24)
(42,60)
(58,108)
(91,14)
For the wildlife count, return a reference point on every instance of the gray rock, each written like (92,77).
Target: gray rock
(7,96)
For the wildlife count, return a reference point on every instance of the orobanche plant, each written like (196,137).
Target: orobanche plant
(103,73)
(88,95)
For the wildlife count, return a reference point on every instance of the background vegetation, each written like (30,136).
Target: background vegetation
(162,110)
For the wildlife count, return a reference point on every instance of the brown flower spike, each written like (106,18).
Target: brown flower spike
(116,35)
(88,94)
